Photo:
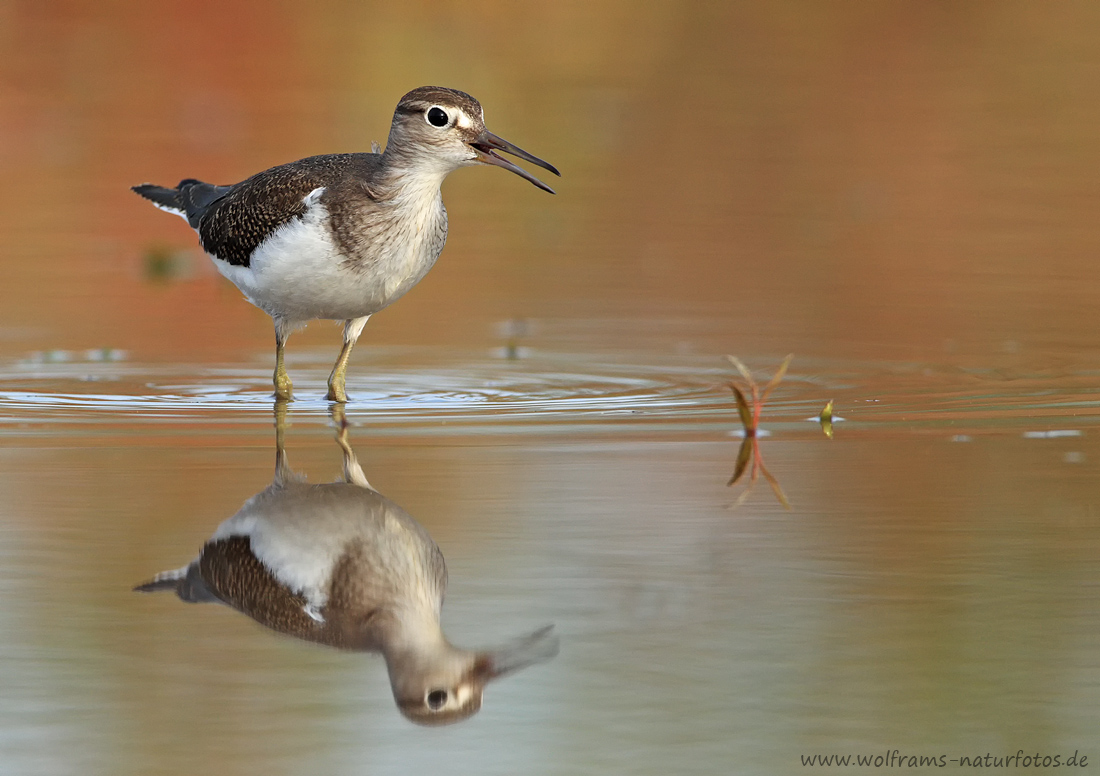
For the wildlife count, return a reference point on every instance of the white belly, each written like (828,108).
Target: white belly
(299,273)
(301,532)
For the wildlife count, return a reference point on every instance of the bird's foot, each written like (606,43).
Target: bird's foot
(284,389)
(336,391)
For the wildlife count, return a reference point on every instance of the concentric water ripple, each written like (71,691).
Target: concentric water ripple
(494,392)
(429,391)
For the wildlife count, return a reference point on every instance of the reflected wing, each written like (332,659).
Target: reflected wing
(238,578)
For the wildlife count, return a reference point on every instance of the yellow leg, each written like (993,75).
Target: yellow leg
(282,467)
(283,386)
(353,472)
(352,329)
(336,390)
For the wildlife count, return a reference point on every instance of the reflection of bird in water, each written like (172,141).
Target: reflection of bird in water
(341,565)
(343,236)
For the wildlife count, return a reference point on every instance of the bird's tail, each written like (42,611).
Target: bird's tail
(159,195)
(166,580)
(186,583)
(165,198)
(189,200)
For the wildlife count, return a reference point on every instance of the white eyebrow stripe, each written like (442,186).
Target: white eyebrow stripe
(463,120)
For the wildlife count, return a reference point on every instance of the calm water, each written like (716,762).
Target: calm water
(904,197)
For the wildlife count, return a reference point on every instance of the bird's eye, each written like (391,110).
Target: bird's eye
(438,117)
(436,699)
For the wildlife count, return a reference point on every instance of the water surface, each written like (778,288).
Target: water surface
(901,197)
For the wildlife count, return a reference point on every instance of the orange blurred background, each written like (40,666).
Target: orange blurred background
(900,180)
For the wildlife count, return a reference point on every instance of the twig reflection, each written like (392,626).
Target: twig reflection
(749,452)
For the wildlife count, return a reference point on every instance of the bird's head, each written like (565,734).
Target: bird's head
(445,129)
(445,685)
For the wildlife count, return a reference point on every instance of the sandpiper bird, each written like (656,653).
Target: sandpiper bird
(341,565)
(342,236)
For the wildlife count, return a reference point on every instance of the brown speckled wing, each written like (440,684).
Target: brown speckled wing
(238,578)
(233,225)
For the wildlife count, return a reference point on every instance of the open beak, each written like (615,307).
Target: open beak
(487,144)
(537,647)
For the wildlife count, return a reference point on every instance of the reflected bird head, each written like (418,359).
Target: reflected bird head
(445,685)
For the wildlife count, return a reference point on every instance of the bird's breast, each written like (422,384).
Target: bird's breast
(344,264)
(391,247)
